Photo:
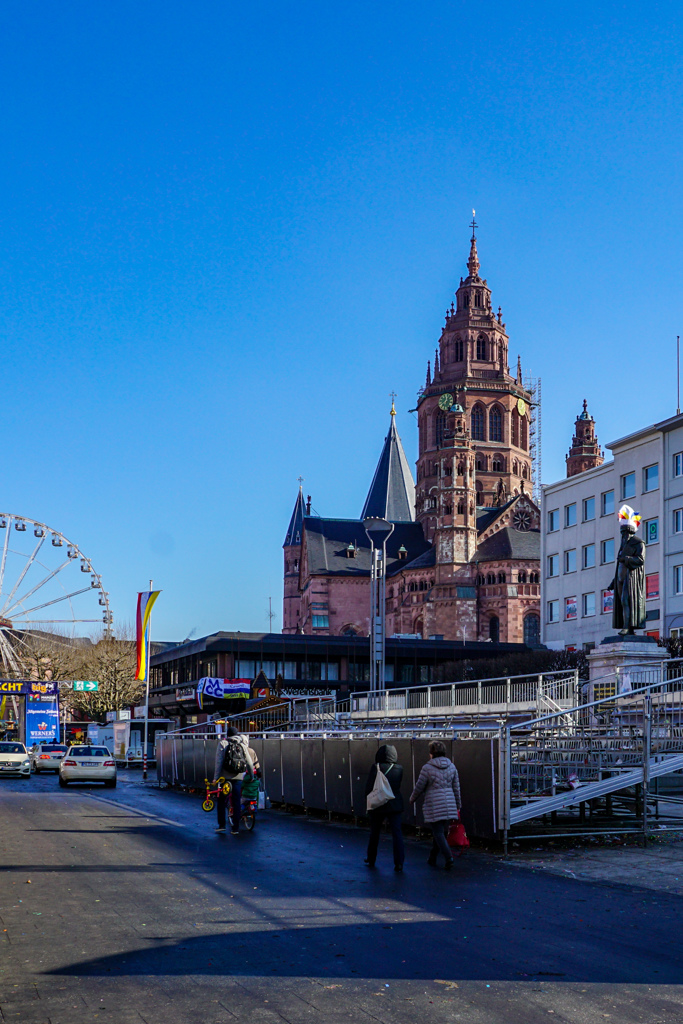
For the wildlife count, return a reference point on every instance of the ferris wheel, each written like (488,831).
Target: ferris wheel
(43,587)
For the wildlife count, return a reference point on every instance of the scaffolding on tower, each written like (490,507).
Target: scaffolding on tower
(533,386)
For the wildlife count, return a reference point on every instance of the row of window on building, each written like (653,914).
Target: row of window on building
(588,603)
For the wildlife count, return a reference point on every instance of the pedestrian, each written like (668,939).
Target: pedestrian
(233,760)
(440,784)
(386,760)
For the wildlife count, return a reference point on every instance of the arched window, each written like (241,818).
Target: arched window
(422,585)
(494,628)
(497,465)
(501,577)
(478,423)
(514,428)
(521,576)
(448,510)
(481,347)
(440,428)
(490,577)
(515,467)
(481,465)
(481,580)
(535,578)
(459,350)
(525,471)
(412,587)
(532,630)
(461,469)
(495,425)
(461,508)
(523,431)
(447,469)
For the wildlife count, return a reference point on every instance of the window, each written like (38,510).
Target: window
(523,433)
(607,551)
(651,477)
(554,610)
(494,628)
(554,520)
(497,465)
(478,423)
(532,630)
(588,556)
(521,576)
(652,586)
(459,350)
(678,464)
(570,607)
(570,515)
(495,425)
(321,622)
(678,520)
(607,602)
(553,565)
(570,560)
(481,347)
(588,605)
(628,485)
(678,579)
(440,428)
(651,533)
(514,428)
(608,503)
(588,509)
(490,577)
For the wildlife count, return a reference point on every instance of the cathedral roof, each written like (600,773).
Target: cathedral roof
(295,529)
(510,543)
(328,540)
(392,492)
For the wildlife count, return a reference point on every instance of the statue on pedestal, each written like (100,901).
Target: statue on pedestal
(628,612)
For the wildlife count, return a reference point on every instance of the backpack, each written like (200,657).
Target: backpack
(234,761)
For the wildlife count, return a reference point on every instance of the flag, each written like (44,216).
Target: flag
(145,604)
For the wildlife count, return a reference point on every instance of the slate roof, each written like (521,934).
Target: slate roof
(328,539)
(423,561)
(486,516)
(510,543)
(295,529)
(392,492)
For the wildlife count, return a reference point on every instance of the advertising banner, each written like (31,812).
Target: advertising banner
(29,688)
(222,689)
(42,721)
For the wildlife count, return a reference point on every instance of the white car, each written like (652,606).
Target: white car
(88,764)
(14,760)
(47,757)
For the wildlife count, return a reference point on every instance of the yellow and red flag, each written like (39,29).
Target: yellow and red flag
(145,604)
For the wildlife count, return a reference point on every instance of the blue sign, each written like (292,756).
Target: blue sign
(42,721)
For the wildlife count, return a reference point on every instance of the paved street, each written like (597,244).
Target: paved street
(124,906)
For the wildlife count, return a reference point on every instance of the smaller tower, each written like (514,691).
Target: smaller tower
(585,451)
(291,603)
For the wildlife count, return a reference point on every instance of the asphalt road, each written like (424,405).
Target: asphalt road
(124,906)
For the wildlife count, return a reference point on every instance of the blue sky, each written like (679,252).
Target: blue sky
(229,231)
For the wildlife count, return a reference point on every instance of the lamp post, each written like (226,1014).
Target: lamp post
(378,531)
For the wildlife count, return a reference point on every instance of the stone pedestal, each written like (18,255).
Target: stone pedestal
(631,661)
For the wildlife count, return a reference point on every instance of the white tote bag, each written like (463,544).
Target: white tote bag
(381,793)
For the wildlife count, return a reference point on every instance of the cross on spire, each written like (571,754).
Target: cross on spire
(393,396)
(473,225)
(301,480)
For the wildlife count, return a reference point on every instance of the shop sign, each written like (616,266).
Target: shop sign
(42,722)
(30,688)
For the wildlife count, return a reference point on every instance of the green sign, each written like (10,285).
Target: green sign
(86,685)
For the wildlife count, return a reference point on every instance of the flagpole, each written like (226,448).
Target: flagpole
(144,745)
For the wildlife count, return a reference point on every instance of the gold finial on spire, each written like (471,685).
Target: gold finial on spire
(473,261)
(392,396)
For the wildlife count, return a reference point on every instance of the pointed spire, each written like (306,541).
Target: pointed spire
(436,362)
(295,529)
(473,261)
(429,374)
(519,369)
(392,492)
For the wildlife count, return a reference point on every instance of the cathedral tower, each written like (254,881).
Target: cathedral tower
(585,451)
(471,370)
(291,603)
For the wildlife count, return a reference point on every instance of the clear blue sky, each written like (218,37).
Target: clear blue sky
(228,231)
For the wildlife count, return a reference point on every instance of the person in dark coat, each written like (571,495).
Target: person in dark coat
(440,784)
(628,610)
(387,759)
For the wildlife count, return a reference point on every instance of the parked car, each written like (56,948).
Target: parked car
(87,764)
(14,759)
(47,757)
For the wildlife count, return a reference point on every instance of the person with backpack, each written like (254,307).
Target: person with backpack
(233,760)
(381,805)
(440,784)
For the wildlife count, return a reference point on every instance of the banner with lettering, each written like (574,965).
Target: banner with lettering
(222,689)
(29,687)
(42,721)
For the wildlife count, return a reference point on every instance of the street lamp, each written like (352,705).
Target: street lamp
(378,531)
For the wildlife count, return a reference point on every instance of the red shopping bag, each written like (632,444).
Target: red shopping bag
(457,837)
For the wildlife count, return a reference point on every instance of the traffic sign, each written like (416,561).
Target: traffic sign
(86,685)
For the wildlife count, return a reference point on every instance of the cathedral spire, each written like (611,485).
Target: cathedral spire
(392,492)
(473,261)
(295,529)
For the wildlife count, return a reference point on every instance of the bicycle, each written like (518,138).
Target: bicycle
(248,816)
(222,787)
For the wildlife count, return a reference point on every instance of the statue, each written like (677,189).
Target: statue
(628,612)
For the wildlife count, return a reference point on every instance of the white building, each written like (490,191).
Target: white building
(580,538)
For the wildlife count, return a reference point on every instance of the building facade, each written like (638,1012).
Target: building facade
(463,558)
(581,537)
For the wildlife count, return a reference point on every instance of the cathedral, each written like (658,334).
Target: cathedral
(463,561)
